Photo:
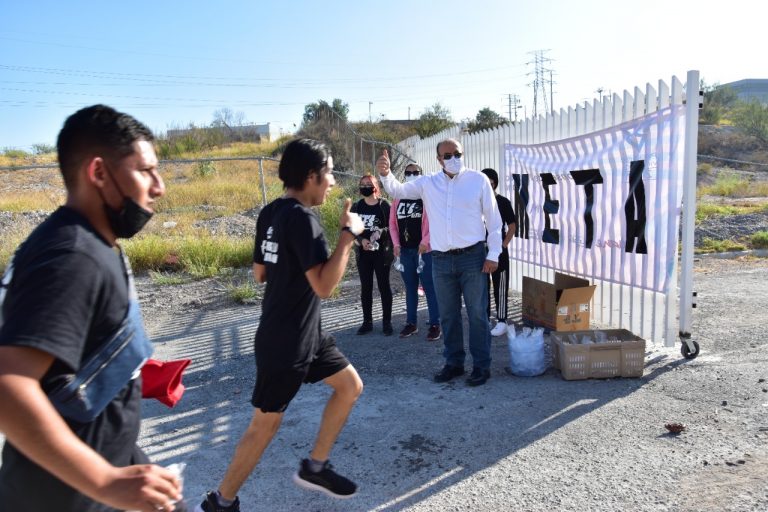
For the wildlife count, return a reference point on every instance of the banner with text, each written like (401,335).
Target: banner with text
(604,205)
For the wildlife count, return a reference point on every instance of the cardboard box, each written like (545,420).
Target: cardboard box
(622,358)
(562,306)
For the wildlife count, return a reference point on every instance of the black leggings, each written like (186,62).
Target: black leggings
(500,280)
(368,263)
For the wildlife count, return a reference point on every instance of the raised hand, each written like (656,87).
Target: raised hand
(351,220)
(383,163)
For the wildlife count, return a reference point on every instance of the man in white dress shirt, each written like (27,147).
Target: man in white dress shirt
(461,207)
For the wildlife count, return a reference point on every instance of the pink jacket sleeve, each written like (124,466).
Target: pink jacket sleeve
(425,229)
(394,232)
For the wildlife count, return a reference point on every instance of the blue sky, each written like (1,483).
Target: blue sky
(171,63)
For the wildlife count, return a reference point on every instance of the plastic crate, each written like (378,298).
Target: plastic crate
(624,357)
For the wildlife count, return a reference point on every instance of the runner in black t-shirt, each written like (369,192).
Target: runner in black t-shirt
(292,256)
(500,276)
(64,293)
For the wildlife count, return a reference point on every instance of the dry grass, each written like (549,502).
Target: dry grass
(231,188)
(9,161)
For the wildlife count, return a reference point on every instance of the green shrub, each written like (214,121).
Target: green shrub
(330,210)
(705,210)
(730,185)
(199,256)
(168,278)
(759,240)
(712,245)
(205,169)
(246,292)
(43,149)
(15,153)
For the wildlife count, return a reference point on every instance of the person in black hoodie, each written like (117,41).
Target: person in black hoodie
(374,253)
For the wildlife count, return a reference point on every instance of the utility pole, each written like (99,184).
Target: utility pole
(370,103)
(513,104)
(551,99)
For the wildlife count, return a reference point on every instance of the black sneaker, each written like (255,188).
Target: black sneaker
(448,372)
(387,329)
(478,377)
(211,504)
(326,481)
(365,328)
(409,330)
(434,333)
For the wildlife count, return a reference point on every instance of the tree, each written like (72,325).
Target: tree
(718,101)
(227,118)
(313,110)
(752,119)
(486,119)
(434,120)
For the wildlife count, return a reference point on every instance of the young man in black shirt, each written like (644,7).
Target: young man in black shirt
(66,291)
(291,255)
(500,276)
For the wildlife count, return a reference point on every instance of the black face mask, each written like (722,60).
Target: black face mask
(129,220)
(366,191)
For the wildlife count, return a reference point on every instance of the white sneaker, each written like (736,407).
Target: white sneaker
(501,328)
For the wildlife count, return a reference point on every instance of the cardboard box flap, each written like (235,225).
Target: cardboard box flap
(576,295)
(563,281)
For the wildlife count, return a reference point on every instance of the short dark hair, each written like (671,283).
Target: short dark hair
(97,130)
(301,158)
(492,175)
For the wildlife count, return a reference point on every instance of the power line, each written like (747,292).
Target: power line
(161,78)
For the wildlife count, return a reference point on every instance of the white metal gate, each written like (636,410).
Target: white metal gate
(650,314)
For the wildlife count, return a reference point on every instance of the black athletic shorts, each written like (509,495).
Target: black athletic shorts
(275,387)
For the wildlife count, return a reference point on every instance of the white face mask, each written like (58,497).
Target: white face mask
(410,178)
(454,165)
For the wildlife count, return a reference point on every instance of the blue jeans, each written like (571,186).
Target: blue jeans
(409,257)
(458,275)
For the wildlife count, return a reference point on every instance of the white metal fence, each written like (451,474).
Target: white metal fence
(649,314)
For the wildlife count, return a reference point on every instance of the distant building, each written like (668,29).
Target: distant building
(750,88)
(245,133)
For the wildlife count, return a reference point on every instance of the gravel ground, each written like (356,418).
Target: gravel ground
(535,444)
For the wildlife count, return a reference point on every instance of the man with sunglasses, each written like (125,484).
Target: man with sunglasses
(461,207)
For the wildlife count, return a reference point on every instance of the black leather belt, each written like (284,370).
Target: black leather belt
(461,250)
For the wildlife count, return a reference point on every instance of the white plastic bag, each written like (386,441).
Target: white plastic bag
(527,354)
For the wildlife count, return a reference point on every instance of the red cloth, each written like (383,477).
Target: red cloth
(162,380)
